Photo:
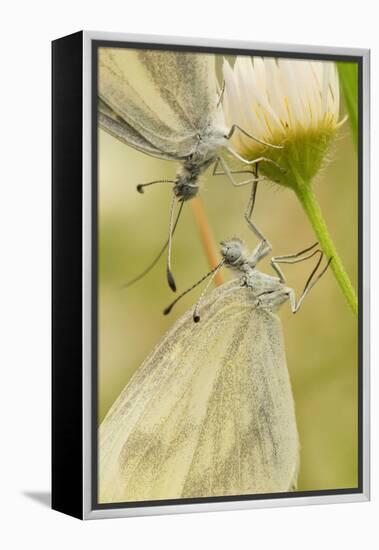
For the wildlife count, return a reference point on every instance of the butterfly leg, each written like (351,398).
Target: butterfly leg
(264,246)
(226,171)
(292,259)
(221,94)
(235,127)
(311,281)
(254,161)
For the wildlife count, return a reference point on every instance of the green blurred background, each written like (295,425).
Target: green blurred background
(321,339)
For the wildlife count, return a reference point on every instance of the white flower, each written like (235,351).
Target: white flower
(288,102)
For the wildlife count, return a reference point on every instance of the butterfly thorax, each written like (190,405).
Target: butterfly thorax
(268,292)
(204,154)
(209,141)
(260,282)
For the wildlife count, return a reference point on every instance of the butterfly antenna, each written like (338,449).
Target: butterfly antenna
(141,186)
(212,272)
(157,258)
(170,277)
(196,316)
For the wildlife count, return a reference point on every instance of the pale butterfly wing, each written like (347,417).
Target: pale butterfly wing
(209,413)
(121,130)
(138,94)
(137,395)
(121,96)
(187,84)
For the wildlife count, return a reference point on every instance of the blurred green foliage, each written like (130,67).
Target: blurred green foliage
(321,340)
(348,74)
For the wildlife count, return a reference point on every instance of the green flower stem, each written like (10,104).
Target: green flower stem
(311,207)
(348,74)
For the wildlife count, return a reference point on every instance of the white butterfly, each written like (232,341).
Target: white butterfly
(166,104)
(210,412)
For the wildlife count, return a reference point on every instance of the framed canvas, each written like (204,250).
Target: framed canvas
(210,275)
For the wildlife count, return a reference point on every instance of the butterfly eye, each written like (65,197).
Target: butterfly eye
(234,255)
(231,253)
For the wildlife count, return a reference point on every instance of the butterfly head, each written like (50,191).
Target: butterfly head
(232,252)
(186,183)
(186,190)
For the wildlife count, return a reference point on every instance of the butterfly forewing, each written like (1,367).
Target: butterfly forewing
(187,83)
(209,413)
(128,89)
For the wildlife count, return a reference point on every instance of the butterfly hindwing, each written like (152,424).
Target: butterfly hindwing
(121,130)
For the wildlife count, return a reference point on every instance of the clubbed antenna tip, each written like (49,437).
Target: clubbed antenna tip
(171,280)
(140,186)
(196,316)
(167,310)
